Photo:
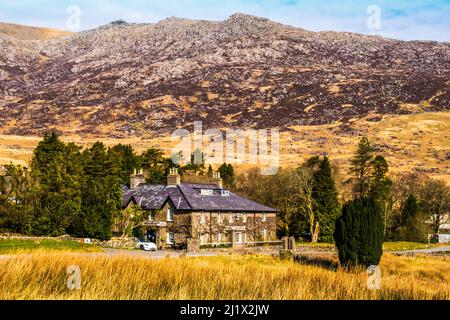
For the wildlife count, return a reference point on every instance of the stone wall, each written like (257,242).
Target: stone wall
(116,243)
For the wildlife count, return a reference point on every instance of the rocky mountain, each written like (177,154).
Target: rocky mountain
(123,80)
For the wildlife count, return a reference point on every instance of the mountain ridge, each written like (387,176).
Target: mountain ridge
(126,79)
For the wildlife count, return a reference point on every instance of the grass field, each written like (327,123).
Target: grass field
(44,276)
(387,246)
(25,246)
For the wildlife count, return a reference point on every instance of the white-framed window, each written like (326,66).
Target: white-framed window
(169,214)
(238,238)
(207,192)
(219,217)
(238,217)
(264,234)
(264,217)
(225,193)
(230,217)
(170,238)
(202,217)
(244,218)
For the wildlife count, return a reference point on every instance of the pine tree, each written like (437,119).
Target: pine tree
(381,187)
(361,167)
(56,168)
(127,159)
(359,233)
(155,165)
(325,200)
(101,193)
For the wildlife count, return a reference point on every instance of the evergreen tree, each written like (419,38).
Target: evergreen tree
(381,188)
(359,233)
(325,200)
(227,174)
(128,161)
(361,168)
(313,163)
(197,163)
(57,169)
(156,166)
(17,200)
(412,222)
(101,193)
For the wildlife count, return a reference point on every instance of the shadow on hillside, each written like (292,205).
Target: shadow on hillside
(325,262)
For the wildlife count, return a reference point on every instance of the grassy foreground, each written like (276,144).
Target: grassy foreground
(44,275)
(13,246)
(387,246)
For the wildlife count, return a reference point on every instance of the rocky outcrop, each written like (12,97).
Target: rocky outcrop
(127,79)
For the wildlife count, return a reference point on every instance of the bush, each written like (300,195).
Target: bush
(359,233)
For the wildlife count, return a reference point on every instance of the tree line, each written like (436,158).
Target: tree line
(67,190)
(313,204)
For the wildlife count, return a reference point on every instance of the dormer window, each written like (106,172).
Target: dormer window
(206,192)
(225,193)
(169,215)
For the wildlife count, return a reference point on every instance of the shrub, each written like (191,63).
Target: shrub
(359,233)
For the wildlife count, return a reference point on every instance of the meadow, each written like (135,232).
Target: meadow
(14,246)
(43,275)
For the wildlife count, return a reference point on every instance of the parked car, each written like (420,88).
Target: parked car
(146,246)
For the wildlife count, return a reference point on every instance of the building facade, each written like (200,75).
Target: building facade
(211,215)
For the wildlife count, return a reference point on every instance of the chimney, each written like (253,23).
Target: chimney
(217,180)
(174,178)
(136,179)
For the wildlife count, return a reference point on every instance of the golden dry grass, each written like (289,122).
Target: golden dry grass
(416,141)
(43,276)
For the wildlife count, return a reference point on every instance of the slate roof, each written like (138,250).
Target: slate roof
(188,197)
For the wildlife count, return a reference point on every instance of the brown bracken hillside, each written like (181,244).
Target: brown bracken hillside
(139,82)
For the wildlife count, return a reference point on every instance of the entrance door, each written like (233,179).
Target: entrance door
(151,236)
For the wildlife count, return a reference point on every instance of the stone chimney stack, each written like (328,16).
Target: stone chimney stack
(217,180)
(136,179)
(174,178)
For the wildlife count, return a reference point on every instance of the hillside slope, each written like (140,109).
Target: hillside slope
(21,32)
(123,80)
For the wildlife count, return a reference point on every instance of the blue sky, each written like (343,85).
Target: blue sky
(401,19)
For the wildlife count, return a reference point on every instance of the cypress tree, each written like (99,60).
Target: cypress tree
(325,200)
(359,233)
